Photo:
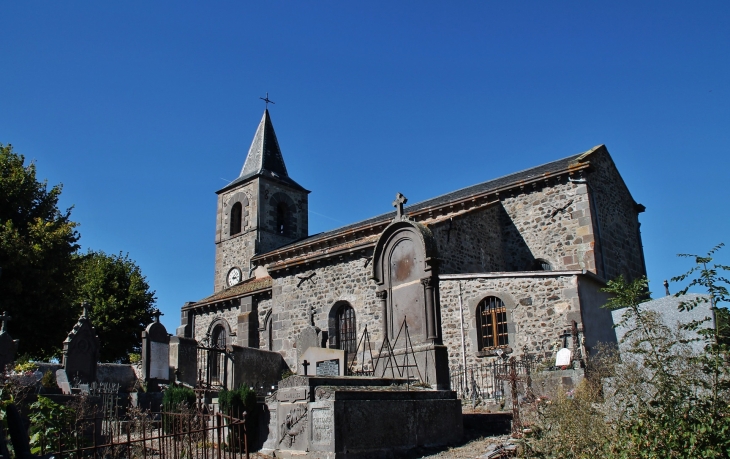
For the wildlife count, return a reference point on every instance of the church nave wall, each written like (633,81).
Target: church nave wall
(538,309)
(335,280)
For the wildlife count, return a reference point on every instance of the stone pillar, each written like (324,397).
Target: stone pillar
(431,333)
(184,359)
(383,297)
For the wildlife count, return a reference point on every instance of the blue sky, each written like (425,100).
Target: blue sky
(144,109)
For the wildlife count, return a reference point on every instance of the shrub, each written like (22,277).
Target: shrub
(176,396)
(48,380)
(233,403)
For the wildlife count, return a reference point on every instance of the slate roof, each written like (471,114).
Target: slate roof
(480,188)
(243,287)
(264,157)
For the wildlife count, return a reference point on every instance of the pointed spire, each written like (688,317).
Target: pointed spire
(264,156)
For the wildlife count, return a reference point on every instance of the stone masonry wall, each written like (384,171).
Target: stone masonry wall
(618,218)
(538,309)
(297,201)
(203,321)
(551,223)
(338,280)
(237,250)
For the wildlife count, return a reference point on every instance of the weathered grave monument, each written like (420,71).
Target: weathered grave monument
(8,345)
(324,414)
(81,350)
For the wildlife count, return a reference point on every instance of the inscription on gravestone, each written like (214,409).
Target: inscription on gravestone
(159,360)
(321,426)
(328,368)
(563,358)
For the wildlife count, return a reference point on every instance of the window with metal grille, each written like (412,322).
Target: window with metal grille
(346,329)
(219,337)
(492,323)
(236,214)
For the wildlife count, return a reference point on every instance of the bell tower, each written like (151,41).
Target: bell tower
(263,209)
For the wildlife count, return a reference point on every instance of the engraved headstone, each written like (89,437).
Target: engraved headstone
(8,345)
(323,362)
(328,368)
(81,350)
(563,357)
(156,352)
(322,426)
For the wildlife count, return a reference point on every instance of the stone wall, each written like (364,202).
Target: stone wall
(227,316)
(551,223)
(539,308)
(336,280)
(298,225)
(236,250)
(618,220)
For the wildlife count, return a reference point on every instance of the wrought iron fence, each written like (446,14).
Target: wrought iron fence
(488,381)
(190,433)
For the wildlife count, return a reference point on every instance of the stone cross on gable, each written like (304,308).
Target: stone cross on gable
(4,319)
(398,204)
(156,314)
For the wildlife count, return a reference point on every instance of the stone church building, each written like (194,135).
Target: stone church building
(504,266)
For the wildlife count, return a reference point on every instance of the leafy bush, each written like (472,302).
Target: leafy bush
(233,403)
(25,367)
(48,421)
(48,380)
(176,396)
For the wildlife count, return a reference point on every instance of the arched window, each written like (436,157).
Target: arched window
(281,220)
(346,329)
(219,337)
(236,214)
(491,323)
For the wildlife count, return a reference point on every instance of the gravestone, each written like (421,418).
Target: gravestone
(81,350)
(563,358)
(8,345)
(318,361)
(156,352)
(308,337)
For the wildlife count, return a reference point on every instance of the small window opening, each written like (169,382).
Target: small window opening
(492,323)
(236,214)
(542,265)
(281,223)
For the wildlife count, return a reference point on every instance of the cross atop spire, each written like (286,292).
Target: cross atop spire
(267,100)
(398,204)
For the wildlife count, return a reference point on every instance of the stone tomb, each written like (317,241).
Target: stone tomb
(8,345)
(319,361)
(357,417)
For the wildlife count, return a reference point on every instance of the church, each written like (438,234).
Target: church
(503,267)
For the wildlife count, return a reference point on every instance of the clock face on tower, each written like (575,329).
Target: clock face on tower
(234,276)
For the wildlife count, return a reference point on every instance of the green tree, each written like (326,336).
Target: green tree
(37,246)
(121,302)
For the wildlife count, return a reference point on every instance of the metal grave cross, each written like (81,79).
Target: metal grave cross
(4,318)
(398,204)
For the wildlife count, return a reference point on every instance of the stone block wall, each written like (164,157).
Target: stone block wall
(227,315)
(618,219)
(552,223)
(539,308)
(346,279)
(238,249)
(271,193)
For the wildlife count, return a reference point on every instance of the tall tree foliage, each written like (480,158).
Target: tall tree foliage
(121,302)
(37,244)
